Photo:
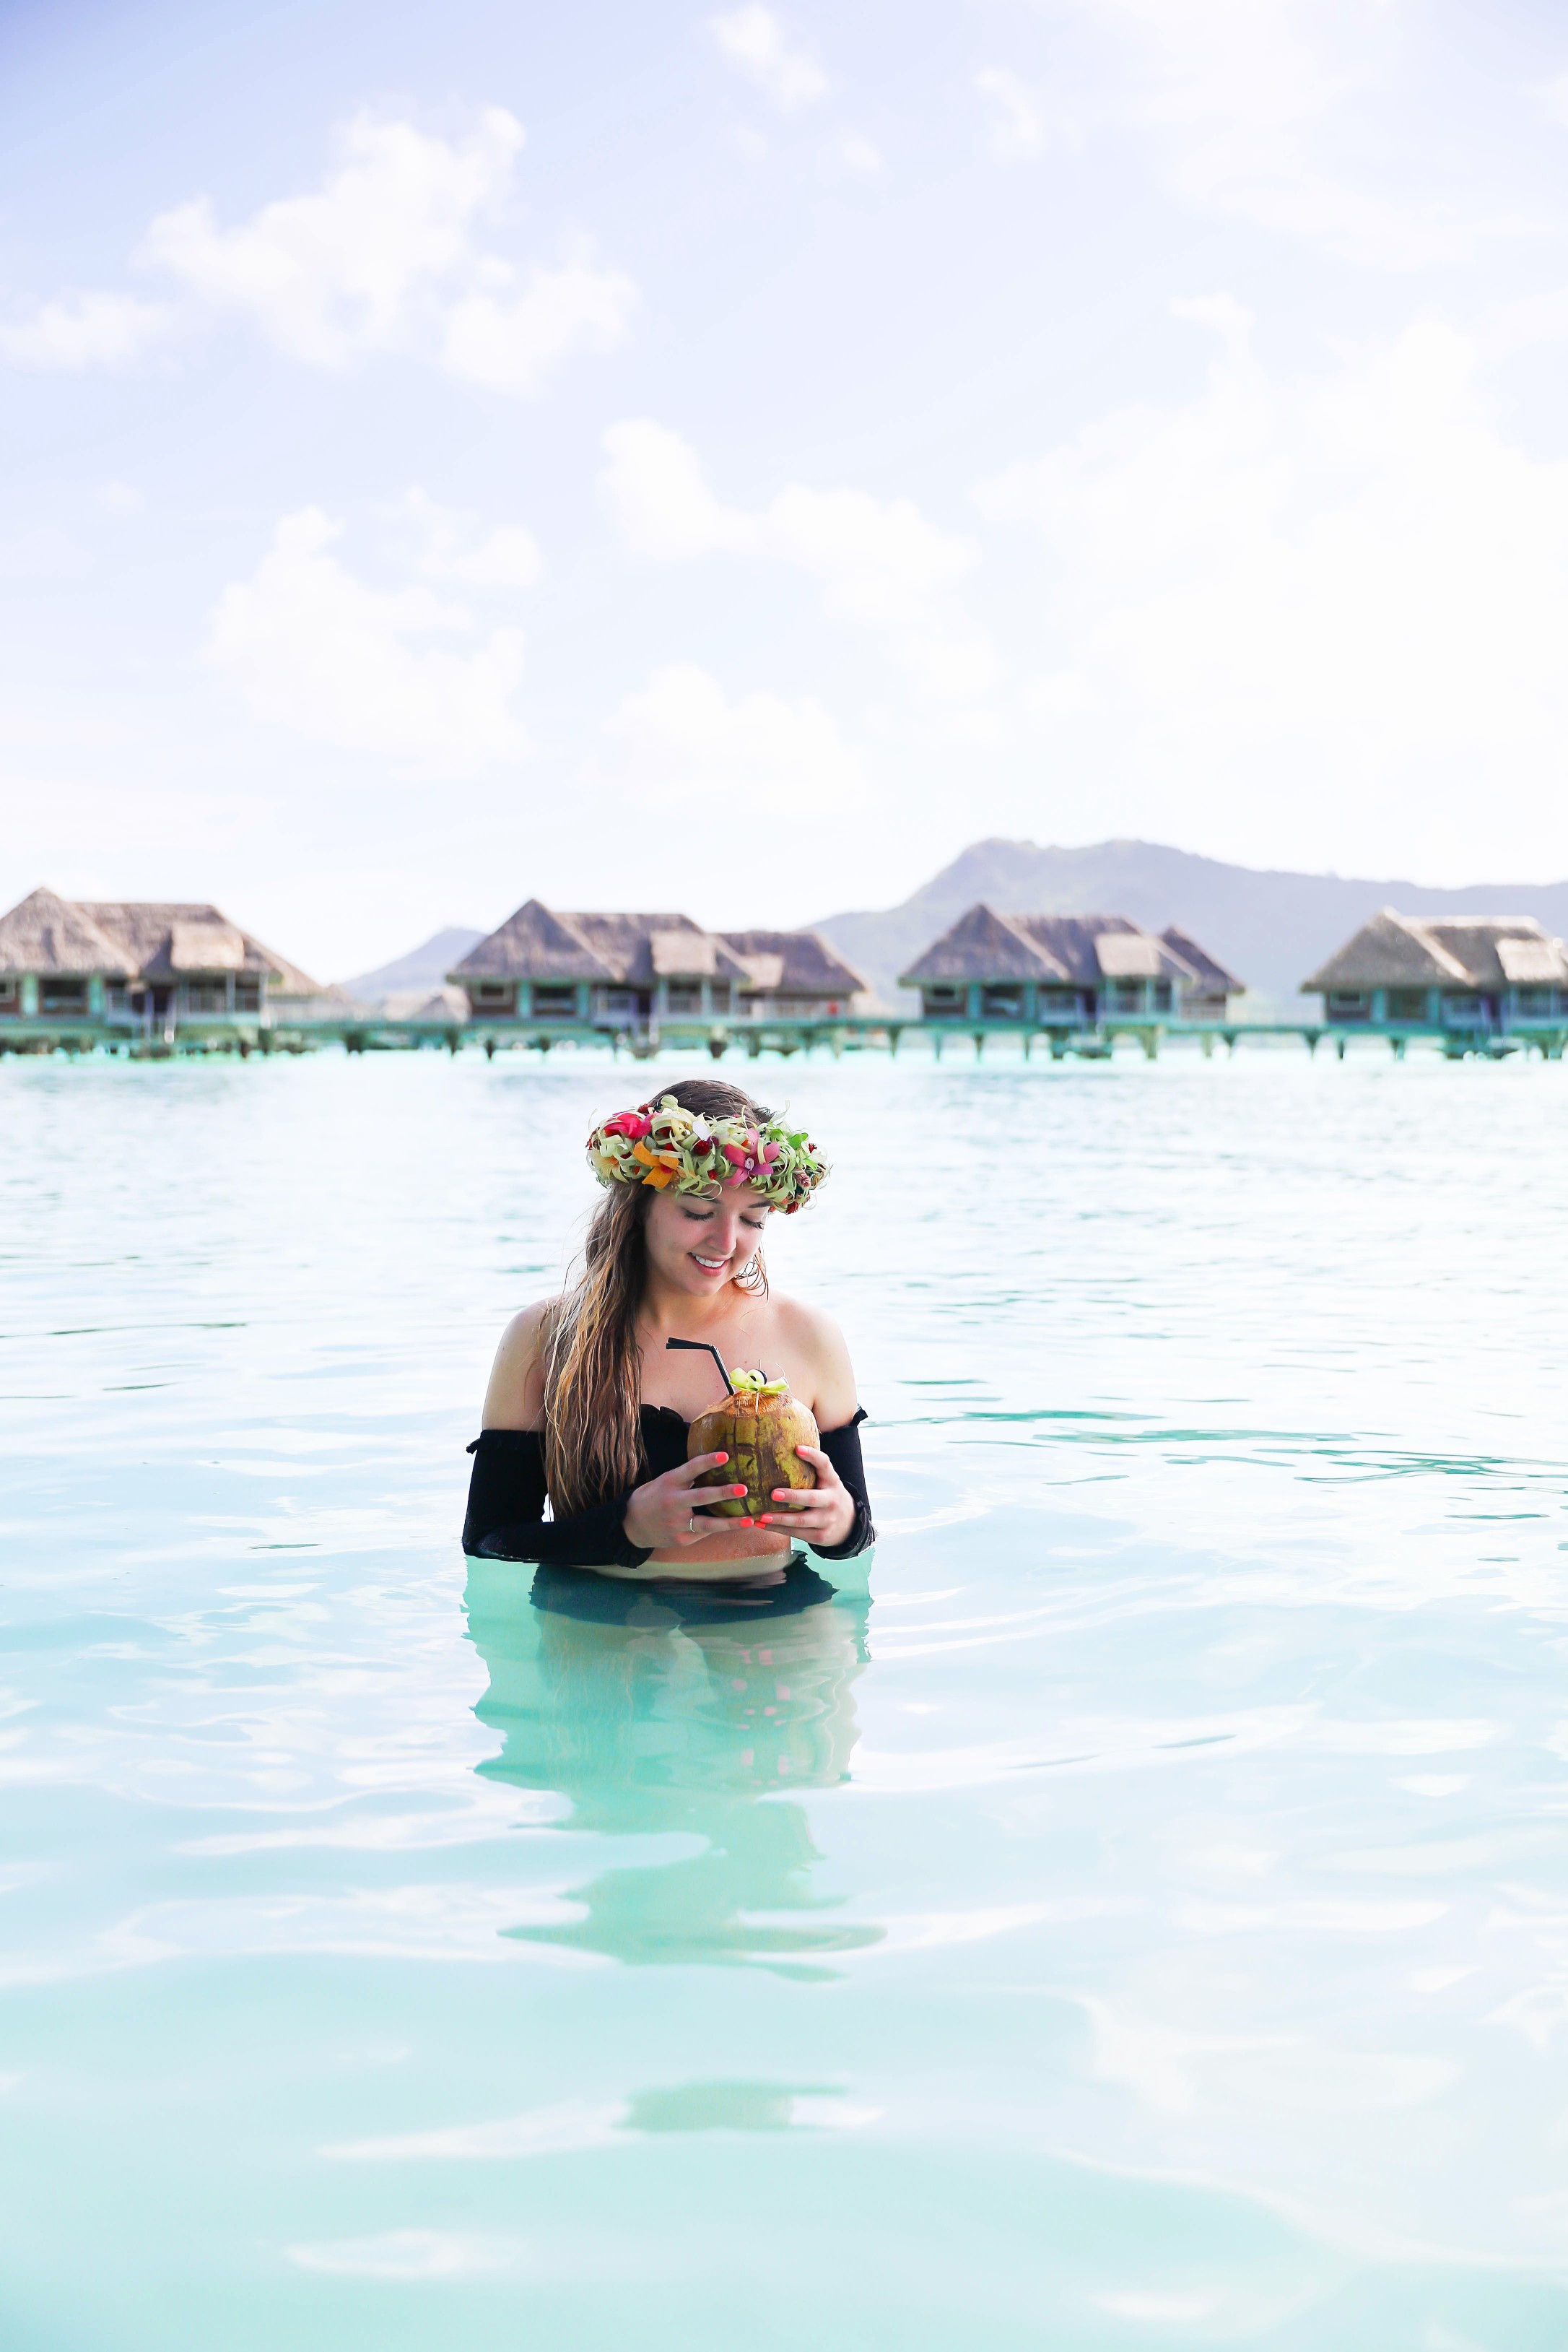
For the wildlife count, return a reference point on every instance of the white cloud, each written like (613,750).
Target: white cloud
(881,565)
(509,340)
(318,651)
(77,332)
(1017,124)
(757,45)
(341,271)
(860,155)
(1331,608)
(1248,101)
(657,493)
(386,256)
(681,744)
(506,556)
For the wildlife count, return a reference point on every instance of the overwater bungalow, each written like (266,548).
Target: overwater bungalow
(1475,975)
(140,970)
(1067,972)
(640,974)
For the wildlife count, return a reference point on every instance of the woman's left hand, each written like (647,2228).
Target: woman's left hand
(825,1515)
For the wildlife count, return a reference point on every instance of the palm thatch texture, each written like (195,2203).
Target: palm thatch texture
(1077,968)
(630,970)
(1484,973)
(188,957)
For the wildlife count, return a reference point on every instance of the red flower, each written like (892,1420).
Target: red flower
(630,1124)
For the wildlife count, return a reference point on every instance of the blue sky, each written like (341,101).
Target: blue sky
(729,458)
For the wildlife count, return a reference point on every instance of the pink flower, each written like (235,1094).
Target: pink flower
(630,1124)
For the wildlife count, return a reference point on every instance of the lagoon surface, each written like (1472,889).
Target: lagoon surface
(1136,1914)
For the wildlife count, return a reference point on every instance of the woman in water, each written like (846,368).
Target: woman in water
(586,1407)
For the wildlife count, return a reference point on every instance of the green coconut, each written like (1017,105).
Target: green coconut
(758,1425)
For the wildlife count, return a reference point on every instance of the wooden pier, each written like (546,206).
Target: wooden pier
(374,1033)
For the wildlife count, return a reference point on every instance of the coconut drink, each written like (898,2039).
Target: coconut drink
(758,1425)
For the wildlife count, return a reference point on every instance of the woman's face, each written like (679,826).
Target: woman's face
(698,1246)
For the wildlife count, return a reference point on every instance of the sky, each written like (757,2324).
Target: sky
(728,459)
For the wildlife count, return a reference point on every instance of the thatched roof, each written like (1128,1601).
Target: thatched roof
(1200,962)
(1480,951)
(799,963)
(1129,955)
(532,944)
(1531,963)
(136,939)
(984,945)
(1079,950)
(168,940)
(683,955)
(633,950)
(50,934)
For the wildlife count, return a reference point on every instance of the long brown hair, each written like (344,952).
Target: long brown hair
(593,1365)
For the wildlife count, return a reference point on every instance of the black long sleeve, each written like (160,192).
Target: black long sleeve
(505,1516)
(507,1496)
(842,1448)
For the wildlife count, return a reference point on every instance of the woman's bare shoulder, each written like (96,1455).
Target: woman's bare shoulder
(815,1340)
(515,1398)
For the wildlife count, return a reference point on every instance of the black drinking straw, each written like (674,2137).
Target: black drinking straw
(706,1347)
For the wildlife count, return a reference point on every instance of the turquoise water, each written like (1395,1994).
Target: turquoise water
(1140,1920)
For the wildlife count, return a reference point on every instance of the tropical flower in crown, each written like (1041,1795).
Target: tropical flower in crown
(664,1145)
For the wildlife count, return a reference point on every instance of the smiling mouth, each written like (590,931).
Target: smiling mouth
(710,1265)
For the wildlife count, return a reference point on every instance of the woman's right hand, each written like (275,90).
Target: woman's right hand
(660,1516)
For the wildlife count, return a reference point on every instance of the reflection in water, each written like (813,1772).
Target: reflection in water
(679,1709)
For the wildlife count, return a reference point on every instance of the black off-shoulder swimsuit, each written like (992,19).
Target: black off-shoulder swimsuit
(507,1492)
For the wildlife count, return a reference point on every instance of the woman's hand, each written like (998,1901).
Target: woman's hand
(660,1516)
(823,1514)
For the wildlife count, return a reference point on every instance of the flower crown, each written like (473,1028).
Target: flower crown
(661,1144)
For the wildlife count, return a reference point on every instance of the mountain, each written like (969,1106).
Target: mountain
(1269,928)
(424,966)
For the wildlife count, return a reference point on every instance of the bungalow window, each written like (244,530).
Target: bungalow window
(1349,1004)
(553,1003)
(1536,1004)
(1162,996)
(247,995)
(720,995)
(1406,1004)
(63,996)
(685,996)
(945,1000)
(208,996)
(1126,995)
(1059,1004)
(1462,1012)
(10,995)
(1002,1003)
